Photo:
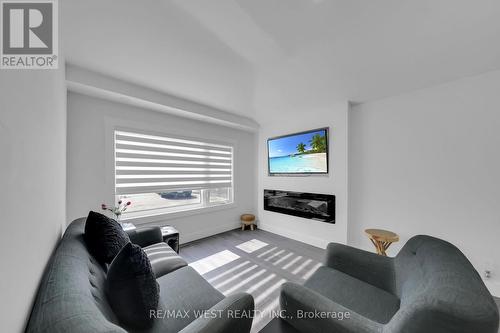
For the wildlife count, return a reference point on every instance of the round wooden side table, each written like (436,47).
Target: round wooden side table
(247,219)
(381,239)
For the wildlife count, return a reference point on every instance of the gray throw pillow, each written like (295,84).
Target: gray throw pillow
(131,287)
(104,237)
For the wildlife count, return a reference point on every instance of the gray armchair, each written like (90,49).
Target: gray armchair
(145,236)
(430,286)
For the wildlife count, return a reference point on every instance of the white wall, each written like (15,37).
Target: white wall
(428,162)
(157,44)
(87,82)
(32,183)
(90,155)
(287,121)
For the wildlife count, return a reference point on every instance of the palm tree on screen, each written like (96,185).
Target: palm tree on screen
(318,143)
(301,147)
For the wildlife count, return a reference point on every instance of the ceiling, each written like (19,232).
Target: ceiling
(254,56)
(155,44)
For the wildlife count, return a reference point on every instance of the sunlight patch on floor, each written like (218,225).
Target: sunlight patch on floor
(214,261)
(308,274)
(260,283)
(235,277)
(292,262)
(229,271)
(244,282)
(274,255)
(251,246)
(283,258)
(302,266)
(267,313)
(266,252)
(269,291)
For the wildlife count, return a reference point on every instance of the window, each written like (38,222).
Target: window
(162,175)
(219,195)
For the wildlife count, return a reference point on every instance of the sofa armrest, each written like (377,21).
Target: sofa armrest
(308,311)
(233,314)
(145,236)
(369,267)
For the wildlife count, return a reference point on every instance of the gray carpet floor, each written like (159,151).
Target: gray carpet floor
(262,262)
(269,261)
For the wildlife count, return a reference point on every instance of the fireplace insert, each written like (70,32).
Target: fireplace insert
(314,206)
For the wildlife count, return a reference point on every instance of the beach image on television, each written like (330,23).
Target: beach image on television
(299,153)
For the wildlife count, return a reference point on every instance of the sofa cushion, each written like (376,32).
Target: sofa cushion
(71,295)
(183,291)
(356,295)
(104,237)
(163,259)
(131,287)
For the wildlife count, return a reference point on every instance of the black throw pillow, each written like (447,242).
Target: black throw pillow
(131,287)
(104,237)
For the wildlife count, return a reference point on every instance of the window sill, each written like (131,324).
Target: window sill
(160,217)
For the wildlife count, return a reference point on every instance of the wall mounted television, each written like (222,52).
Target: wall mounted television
(304,153)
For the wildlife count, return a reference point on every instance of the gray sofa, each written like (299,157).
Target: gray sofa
(71,295)
(430,286)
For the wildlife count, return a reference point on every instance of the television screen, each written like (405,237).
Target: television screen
(299,153)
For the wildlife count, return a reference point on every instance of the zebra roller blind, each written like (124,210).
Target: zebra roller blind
(154,164)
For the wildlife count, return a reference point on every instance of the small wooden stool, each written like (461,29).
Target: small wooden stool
(247,219)
(381,239)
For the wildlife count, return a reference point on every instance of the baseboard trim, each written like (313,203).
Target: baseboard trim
(187,238)
(314,241)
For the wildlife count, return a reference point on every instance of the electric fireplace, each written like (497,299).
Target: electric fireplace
(314,206)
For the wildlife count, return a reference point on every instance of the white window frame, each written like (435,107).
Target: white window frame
(114,124)
(202,206)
